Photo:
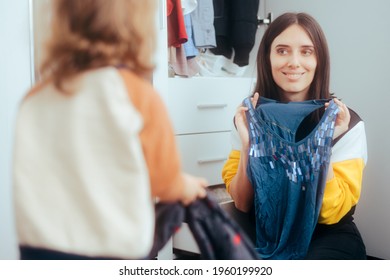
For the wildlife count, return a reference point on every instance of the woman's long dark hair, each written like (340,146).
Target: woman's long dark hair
(266,86)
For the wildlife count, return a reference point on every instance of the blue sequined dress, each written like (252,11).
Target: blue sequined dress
(288,177)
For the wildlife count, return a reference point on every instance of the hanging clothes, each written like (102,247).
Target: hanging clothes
(203,24)
(188,6)
(180,64)
(288,176)
(235,23)
(190,49)
(177,33)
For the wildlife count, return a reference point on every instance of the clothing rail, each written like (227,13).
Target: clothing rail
(265,21)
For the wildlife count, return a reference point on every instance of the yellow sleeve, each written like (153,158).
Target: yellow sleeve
(230,168)
(343,191)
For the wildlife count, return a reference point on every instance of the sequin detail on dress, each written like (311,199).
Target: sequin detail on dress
(288,177)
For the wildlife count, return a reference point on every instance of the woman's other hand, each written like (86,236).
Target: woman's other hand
(342,120)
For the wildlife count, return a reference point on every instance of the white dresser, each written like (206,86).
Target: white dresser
(202,111)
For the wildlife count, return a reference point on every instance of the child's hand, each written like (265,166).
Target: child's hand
(194,187)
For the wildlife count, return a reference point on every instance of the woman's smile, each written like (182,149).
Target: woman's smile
(293,76)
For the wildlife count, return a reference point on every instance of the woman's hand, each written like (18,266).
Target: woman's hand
(241,189)
(241,122)
(342,120)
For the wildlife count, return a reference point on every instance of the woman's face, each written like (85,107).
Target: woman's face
(293,63)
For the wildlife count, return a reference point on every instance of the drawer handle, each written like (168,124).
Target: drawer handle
(211,160)
(211,106)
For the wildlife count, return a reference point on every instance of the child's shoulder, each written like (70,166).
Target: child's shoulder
(140,90)
(135,81)
(35,89)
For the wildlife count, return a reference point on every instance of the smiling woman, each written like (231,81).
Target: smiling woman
(294,62)
(265,176)
(299,38)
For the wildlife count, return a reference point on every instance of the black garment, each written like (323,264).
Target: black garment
(235,23)
(341,241)
(217,235)
(169,217)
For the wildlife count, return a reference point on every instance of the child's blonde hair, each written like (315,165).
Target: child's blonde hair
(87,34)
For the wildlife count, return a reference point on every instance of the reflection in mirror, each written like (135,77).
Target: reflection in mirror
(212,38)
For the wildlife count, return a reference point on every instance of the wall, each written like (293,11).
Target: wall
(15,79)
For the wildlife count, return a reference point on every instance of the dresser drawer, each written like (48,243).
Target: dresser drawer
(205,154)
(198,105)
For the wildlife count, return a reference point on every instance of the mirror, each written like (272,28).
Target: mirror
(39,21)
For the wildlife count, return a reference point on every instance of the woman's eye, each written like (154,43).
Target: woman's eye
(282,51)
(307,52)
